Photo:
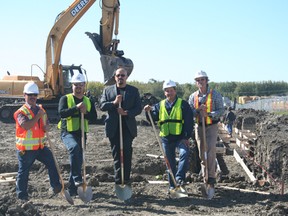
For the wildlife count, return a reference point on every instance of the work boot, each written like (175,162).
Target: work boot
(169,190)
(180,183)
(54,191)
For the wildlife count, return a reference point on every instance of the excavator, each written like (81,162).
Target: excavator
(57,76)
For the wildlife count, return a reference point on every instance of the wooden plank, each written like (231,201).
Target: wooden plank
(104,160)
(158,182)
(246,169)
(158,156)
(8,174)
(7,180)
(244,190)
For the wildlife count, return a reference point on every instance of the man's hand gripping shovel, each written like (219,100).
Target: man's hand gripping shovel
(84,191)
(178,191)
(63,192)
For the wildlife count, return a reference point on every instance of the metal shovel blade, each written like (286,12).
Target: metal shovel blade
(67,196)
(207,192)
(178,192)
(123,192)
(85,193)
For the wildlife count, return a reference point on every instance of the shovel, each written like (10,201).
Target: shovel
(84,191)
(179,191)
(63,192)
(207,192)
(123,192)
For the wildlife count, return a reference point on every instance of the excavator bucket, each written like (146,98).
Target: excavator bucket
(111,63)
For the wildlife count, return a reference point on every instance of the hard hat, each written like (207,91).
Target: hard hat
(31,88)
(168,84)
(200,74)
(78,78)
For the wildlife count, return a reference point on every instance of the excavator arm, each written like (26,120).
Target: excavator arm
(110,58)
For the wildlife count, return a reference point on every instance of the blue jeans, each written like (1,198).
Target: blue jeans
(26,160)
(74,147)
(183,164)
(229,128)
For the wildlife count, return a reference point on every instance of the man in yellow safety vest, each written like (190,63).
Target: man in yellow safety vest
(70,108)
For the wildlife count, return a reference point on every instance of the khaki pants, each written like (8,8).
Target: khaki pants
(211,139)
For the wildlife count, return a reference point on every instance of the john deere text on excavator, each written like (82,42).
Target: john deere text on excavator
(56,77)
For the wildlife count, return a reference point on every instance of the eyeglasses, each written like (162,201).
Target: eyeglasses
(78,84)
(198,80)
(35,95)
(120,75)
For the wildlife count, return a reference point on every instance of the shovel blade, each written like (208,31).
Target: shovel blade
(123,192)
(85,193)
(178,192)
(207,191)
(67,196)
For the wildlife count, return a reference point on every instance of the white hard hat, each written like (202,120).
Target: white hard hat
(31,88)
(200,74)
(78,78)
(168,84)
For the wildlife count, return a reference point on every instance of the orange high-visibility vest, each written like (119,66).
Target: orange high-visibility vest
(31,139)
(208,103)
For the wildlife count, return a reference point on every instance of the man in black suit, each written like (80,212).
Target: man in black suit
(121,99)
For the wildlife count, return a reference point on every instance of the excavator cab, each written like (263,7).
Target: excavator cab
(67,72)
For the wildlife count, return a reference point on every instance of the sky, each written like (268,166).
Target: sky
(232,40)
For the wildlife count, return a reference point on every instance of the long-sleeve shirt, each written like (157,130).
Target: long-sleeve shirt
(65,112)
(217,103)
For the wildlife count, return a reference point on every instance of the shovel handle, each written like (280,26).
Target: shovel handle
(52,148)
(162,150)
(205,149)
(83,150)
(121,147)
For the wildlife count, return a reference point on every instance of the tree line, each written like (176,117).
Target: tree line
(227,89)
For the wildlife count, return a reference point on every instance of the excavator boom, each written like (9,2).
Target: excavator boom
(57,76)
(110,58)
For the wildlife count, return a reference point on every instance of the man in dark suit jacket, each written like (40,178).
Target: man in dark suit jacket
(128,97)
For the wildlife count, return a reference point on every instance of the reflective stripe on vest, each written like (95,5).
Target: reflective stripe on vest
(170,124)
(208,103)
(31,139)
(73,122)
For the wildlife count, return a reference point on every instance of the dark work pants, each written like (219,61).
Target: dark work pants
(127,152)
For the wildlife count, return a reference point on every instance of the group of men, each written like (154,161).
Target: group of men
(177,120)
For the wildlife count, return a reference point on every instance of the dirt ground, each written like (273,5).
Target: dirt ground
(235,194)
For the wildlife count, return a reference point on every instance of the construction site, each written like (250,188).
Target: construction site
(251,173)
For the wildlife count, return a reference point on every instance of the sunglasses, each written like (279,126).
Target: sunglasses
(35,95)
(198,80)
(120,75)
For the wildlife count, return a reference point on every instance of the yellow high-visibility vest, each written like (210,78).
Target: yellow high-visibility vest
(73,122)
(170,124)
